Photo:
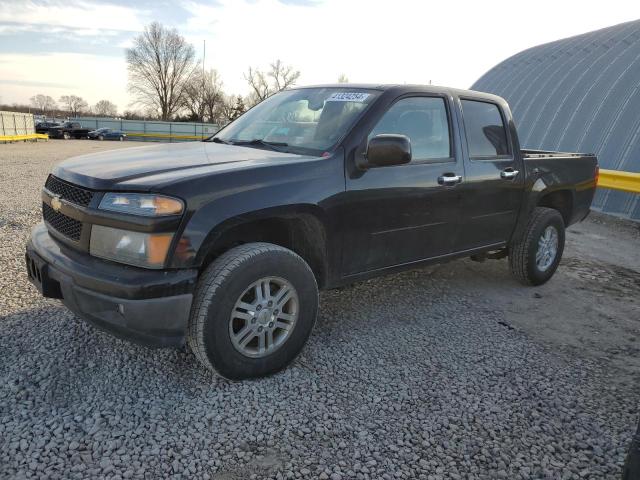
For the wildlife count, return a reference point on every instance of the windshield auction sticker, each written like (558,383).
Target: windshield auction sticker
(348,97)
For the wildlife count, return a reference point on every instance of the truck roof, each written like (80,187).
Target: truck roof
(459,92)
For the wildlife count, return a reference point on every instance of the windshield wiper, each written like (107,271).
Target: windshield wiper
(219,140)
(260,141)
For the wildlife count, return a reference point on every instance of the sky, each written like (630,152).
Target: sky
(77,46)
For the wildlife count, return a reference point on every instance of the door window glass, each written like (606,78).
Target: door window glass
(424,121)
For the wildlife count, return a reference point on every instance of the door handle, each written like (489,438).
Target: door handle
(449,179)
(508,173)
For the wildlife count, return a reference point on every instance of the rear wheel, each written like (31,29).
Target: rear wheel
(253,311)
(101,137)
(66,135)
(535,258)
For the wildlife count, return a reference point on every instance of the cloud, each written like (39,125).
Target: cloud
(91,76)
(71,14)
(403,41)
(35,83)
(81,42)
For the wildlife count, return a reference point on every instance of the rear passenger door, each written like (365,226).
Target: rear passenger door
(492,191)
(405,213)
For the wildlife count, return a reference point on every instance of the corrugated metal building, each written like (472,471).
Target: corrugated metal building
(579,94)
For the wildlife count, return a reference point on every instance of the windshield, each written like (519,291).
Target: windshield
(307,120)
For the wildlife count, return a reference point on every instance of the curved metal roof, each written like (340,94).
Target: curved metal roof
(579,94)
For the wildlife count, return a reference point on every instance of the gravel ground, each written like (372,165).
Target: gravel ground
(450,372)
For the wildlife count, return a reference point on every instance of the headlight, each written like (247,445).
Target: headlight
(141,204)
(147,250)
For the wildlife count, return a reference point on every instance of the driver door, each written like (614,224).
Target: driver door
(405,213)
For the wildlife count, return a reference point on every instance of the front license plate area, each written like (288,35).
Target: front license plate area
(37,270)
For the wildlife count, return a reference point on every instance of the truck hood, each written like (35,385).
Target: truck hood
(143,168)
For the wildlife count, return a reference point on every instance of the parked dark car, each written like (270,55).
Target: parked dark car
(43,127)
(107,134)
(68,130)
(223,244)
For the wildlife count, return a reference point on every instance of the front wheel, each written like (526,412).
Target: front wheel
(66,136)
(535,258)
(253,311)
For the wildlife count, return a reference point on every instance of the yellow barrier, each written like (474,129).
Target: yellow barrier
(168,135)
(625,181)
(19,138)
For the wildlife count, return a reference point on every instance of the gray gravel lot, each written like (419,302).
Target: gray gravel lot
(450,372)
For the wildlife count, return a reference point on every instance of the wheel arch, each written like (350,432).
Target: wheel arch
(301,229)
(560,200)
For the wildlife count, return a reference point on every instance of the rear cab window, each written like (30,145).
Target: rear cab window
(485,130)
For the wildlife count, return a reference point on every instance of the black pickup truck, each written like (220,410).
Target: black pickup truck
(44,127)
(223,244)
(68,130)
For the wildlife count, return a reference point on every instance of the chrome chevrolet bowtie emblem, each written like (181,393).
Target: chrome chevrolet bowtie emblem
(56,203)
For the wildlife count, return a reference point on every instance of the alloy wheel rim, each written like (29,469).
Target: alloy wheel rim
(547,248)
(263,317)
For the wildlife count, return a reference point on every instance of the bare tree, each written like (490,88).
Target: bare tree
(73,104)
(132,115)
(259,85)
(229,108)
(203,95)
(343,78)
(105,108)
(225,111)
(283,76)
(160,64)
(43,102)
(238,108)
(264,84)
(213,95)
(192,100)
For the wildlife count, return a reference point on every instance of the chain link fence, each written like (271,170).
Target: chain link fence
(152,131)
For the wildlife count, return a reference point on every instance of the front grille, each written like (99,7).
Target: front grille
(67,226)
(69,192)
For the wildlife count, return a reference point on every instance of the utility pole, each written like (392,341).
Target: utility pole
(204,54)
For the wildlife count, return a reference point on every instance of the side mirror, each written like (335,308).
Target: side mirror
(388,149)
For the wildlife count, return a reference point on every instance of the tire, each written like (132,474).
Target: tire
(100,137)
(121,139)
(631,469)
(226,288)
(66,136)
(524,264)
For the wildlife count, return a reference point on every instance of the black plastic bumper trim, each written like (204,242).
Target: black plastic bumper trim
(106,277)
(147,307)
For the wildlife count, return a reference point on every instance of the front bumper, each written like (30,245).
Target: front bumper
(147,306)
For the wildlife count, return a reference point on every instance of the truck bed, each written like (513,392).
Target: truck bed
(530,153)
(575,174)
